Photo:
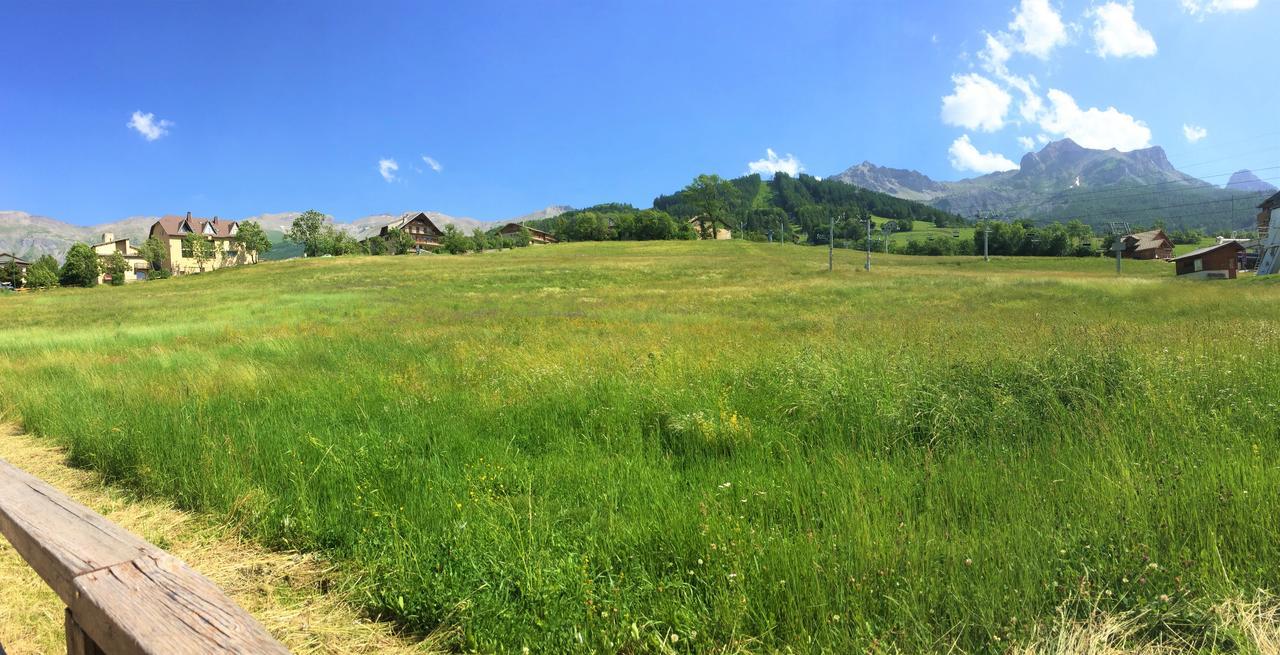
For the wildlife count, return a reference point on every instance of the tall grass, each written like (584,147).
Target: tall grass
(698,447)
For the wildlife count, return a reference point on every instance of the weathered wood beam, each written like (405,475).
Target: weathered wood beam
(124,596)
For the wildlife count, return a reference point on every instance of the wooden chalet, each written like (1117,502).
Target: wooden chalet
(426,236)
(536,236)
(7,258)
(1264,217)
(1219,262)
(1152,244)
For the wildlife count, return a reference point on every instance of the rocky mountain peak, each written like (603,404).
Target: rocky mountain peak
(1245,180)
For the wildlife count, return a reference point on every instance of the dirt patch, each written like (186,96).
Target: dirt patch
(283,591)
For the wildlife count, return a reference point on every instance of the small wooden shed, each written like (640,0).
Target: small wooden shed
(1218,262)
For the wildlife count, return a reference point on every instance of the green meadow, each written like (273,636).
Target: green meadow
(697,446)
(926,231)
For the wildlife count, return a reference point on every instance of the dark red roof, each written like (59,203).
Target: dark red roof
(172,225)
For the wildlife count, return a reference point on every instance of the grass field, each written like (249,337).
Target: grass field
(1184,248)
(698,447)
(924,230)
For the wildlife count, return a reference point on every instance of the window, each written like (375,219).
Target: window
(186,248)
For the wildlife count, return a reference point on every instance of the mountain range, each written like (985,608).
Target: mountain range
(1065,180)
(30,236)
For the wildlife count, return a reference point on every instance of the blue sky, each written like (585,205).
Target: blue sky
(237,108)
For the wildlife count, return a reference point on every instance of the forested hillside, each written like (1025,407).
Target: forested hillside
(794,208)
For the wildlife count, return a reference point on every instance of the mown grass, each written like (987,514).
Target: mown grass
(698,447)
(925,231)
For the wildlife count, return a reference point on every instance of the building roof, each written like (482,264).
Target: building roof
(405,219)
(176,226)
(517,226)
(1149,240)
(114,242)
(5,258)
(1272,202)
(1232,245)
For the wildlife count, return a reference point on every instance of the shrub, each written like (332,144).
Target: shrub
(117,268)
(81,268)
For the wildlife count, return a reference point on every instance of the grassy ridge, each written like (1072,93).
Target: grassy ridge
(634,446)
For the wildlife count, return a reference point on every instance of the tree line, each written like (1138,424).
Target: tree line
(319,238)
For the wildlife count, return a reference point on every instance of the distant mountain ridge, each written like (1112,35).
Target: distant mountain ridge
(1065,180)
(30,236)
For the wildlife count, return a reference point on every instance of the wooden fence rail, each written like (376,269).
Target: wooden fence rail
(124,596)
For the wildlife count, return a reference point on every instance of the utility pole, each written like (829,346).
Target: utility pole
(831,244)
(1119,230)
(986,238)
(867,266)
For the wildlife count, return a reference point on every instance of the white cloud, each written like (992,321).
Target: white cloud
(1199,7)
(772,163)
(387,169)
(435,165)
(977,104)
(1117,34)
(1093,128)
(1027,143)
(147,125)
(1194,133)
(1039,27)
(966,157)
(995,57)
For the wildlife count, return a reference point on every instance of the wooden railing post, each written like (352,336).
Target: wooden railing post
(78,643)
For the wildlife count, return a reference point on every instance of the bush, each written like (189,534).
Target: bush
(81,268)
(454,241)
(43,274)
(117,268)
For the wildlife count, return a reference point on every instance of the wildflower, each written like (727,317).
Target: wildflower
(674,637)
(968,562)
(1164,598)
